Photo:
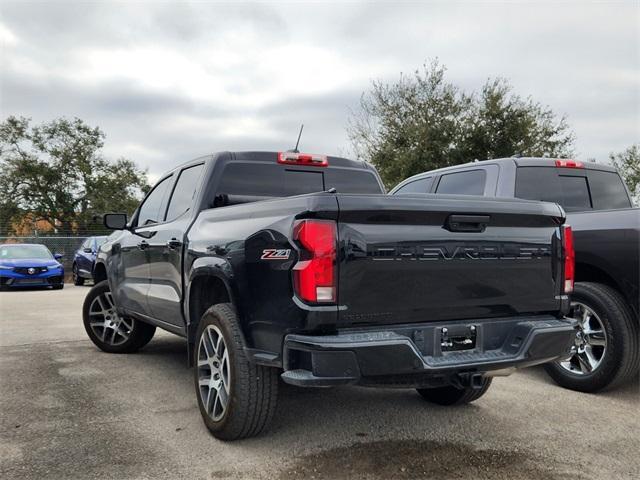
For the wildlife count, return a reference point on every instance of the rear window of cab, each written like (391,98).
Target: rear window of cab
(574,190)
(262,179)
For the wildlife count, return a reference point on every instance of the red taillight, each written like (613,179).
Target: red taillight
(291,158)
(569,164)
(569,259)
(315,277)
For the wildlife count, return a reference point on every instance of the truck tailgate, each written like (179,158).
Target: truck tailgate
(418,258)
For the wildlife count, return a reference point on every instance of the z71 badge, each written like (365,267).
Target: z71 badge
(275,254)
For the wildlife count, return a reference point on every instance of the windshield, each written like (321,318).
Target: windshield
(17,252)
(100,241)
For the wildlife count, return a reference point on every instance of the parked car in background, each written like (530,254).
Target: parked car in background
(85,258)
(29,265)
(606,230)
(298,266)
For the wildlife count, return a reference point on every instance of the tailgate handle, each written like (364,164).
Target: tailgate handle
(467,223)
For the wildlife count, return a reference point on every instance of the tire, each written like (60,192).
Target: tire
(249,391)
(109,332)
(58,286)
(77,279)
(619,360)
(450,395)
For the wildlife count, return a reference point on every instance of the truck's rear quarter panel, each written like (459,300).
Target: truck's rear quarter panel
(229,243)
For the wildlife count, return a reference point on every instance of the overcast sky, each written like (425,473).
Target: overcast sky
(168,81)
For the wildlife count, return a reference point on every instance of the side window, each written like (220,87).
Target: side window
(184,191)
(86,243)
(422,185)
(470,182)
(150,209)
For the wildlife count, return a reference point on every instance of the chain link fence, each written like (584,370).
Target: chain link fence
(66,246)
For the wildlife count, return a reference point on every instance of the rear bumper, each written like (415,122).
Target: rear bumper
(413,355)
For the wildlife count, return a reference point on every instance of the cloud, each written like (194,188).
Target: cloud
(171,81)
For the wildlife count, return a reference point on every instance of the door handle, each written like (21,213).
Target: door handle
(467,223)
(143,245)
(174,243)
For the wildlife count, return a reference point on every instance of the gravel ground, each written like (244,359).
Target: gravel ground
(71,411)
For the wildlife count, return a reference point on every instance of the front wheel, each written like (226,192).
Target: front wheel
(237,399)
(605,352)
(109,331)
(451,395)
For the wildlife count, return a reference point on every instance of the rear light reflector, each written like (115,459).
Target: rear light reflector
(569,259)
(315,274)
(308,159)
(569,164)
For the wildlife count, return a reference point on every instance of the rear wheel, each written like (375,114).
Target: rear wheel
(605,352)
(77,279)
(237,399)
(451,395)
(109,331)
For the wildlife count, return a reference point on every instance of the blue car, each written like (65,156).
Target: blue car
(85,259)
(29,265)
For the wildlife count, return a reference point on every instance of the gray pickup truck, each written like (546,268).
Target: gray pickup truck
(606,229)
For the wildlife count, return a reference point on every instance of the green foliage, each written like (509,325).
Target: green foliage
(422,122)
(54,172)
(628,164)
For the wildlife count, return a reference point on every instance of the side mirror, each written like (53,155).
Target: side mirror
(87,250)
(58,256)
(115,221)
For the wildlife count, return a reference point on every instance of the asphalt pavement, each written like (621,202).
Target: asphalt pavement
(68,410)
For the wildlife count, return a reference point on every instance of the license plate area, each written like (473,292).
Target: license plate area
(30,281)
(458,338)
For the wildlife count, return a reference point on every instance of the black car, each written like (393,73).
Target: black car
(85,258)
(606,228)
(266,279)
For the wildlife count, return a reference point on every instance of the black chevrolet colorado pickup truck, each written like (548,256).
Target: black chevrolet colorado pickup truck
(607,246)
(265,278)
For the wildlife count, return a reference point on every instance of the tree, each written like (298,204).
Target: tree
(422,122)
(500,123)
(54,172)
(628,164)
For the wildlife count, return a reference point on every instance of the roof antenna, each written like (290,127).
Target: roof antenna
(295,149)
